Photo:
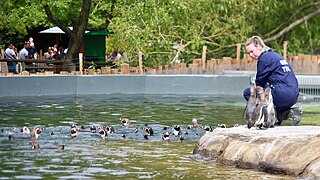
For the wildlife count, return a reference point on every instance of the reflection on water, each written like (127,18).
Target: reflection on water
(129,157)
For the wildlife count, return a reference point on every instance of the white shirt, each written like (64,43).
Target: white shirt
(9,54)
(24,54)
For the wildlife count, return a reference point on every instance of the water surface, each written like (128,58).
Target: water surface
(116,156)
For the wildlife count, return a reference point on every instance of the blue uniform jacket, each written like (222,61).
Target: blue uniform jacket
(273,69)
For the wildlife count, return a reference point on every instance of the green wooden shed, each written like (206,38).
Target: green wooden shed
(95,45)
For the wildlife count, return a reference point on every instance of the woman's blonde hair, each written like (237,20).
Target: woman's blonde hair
(256,40)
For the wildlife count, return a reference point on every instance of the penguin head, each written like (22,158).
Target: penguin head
(110,129)
(208,128)
(25,130)
(93,129)
(149,130)
(73,132)
(165,136)
(35,133)
(125,121)
(102,133)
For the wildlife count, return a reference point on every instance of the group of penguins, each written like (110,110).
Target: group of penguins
(174,133)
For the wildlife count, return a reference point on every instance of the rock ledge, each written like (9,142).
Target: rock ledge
(291,150)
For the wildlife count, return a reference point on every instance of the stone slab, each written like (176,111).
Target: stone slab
(291,150)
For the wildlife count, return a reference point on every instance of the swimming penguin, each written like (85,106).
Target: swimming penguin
(25,130)
(165,136)
(34,135)
(222,125)
(136,130)
(102,133)
(73,132)
(125,121)
(73,125)
(110,129)
(236,125)
(93,129)
(145,137)
(181,138)
(149,130)
(207,128)
(176,130)
(36,145)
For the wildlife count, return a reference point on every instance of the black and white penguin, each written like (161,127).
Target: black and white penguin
(181,138)
(208,128)
(93,129)
(222,125)
(176,130)
(102,133)
(34,135)
(110,129)
(165,136)
(145,137)
(73,132)
(149,130)
(25,130)
(125,121)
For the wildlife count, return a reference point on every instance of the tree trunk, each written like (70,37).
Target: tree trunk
(72,54)
(76,35)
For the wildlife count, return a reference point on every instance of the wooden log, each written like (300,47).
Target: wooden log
(294,63)
(314,67)
(105,70)
(204,56)
(41,54)
(40,73)
(300,56)
(166,69)
(194,68)
(159,69)
(48,73)
(227,62)
(238,52)
(124,68)
(91,72)
(140,63)
(115,71)
(64,73)
(197,62)
(81,62)
(25,73)
(3,65)
(285,43)
(2,54)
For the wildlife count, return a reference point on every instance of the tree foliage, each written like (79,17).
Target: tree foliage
(154,26)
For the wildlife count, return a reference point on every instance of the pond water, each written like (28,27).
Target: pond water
(116,156)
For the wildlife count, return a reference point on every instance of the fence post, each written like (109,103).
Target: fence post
(41,54)
(204,56)
(140,63)
(2,57)
(285,43)
(81,63)
(238,51)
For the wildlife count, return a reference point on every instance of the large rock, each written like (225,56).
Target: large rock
(292,150)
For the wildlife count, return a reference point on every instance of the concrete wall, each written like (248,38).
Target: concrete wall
(126,84)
